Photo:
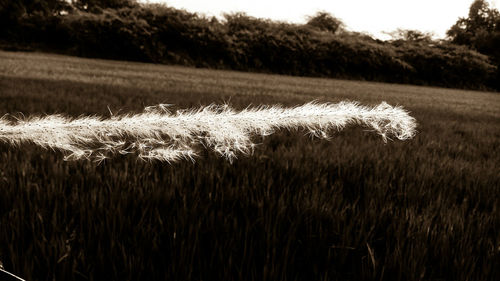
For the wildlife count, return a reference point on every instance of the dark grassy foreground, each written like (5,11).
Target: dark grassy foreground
(352,208)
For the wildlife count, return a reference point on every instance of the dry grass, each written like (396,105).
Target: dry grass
(351,208)
(157,134)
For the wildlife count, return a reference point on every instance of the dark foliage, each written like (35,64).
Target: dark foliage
(96,5)
(123,29)
(480,31)
(325,22)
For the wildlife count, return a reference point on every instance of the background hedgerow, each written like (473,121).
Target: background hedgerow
(352,208)
(322,47)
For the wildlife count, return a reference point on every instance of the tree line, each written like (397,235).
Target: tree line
(127,30)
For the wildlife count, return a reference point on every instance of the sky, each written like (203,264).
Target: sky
(370,16)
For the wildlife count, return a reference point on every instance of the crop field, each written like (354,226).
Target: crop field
(297,208)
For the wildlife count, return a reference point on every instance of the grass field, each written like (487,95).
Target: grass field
(352,208)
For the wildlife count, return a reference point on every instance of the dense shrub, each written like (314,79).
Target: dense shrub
(445,64)
(157,33)
(480,31)
(116,34)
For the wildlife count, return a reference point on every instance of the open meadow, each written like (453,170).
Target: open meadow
(298,208)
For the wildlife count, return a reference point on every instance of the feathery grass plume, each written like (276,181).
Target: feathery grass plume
(159,134)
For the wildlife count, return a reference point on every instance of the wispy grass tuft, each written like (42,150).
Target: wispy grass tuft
(158,134)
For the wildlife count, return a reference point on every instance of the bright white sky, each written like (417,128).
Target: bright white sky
(369,16)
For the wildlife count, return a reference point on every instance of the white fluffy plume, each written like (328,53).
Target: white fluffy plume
(159,134)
